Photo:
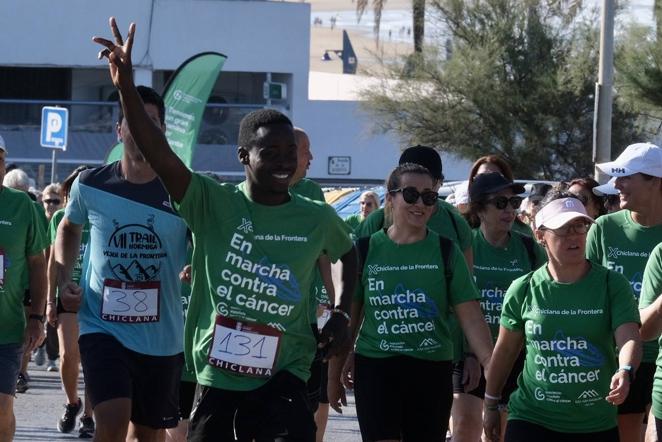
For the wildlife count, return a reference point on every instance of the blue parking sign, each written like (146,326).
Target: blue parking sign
(54,127)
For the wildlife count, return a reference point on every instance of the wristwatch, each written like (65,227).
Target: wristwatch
(39,318)
(629,370)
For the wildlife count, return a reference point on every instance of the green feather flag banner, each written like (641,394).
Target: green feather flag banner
(185,98)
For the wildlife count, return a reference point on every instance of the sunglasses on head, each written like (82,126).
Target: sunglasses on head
(52,201)
(500,202)
(411,195)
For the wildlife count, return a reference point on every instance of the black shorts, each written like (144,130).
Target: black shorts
(277,409)
(509,387)
(11,356)
(112,371)
(186,398)
(402,398)
(641,390)
(524,431)
(314,384)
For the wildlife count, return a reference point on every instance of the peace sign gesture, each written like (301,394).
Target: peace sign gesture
(118,54)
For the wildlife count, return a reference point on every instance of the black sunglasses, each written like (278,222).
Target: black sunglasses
(500,202)
(411,195)
(52,201)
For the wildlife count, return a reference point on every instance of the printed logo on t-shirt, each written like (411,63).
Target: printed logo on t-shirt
(4,222)
(615,252)
(491,302)
(376,269)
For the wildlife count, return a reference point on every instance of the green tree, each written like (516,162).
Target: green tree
(520,84)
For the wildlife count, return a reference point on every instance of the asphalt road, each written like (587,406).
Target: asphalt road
(38,410)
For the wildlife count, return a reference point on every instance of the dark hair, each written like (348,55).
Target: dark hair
(149,96)
(252,122)
(503,166)
(395,177)
(555,194)
(65,187)
(394,181)
(589,183)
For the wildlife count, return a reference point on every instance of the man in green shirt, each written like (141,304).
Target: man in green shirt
(622,241)
(22,242)
(247,331)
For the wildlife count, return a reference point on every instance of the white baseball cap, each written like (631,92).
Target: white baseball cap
(636,158)
(608,188)
(3,146)
(558,212)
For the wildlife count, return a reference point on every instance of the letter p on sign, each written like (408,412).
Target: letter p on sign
(54,127)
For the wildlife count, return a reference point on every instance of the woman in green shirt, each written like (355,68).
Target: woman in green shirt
(368,203)
(567,315)
(401,367)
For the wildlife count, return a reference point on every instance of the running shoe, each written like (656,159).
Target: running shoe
(51,365)
(22,383)
(68,420)
(86,428)
(40,356)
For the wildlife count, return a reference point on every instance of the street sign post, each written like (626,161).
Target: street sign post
(54,130)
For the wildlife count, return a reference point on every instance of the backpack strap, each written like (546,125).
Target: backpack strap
(446,247)
(362,245)
(529,246)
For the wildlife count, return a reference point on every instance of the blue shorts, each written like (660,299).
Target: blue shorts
(10,365)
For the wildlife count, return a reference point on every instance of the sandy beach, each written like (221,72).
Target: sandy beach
(363,40)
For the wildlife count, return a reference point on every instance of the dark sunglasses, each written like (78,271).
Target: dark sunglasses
(52,201)
(411,195)
(500,202)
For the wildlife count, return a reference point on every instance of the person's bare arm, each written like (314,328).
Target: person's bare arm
(149,138)
(34,332)
(67,249)
(476,330)
(628,340)
(651,320)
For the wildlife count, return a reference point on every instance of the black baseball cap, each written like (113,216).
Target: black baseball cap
(424,156)
(486,183)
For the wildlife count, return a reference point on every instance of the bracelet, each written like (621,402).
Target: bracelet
(492,398)
(39,318)
(341,312)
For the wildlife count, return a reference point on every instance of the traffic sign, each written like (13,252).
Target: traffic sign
(54,127)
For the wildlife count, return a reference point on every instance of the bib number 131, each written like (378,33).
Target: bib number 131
(244,348)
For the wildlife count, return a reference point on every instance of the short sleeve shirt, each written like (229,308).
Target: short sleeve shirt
(137,247)
(650,290)
(619,243)
(569,340)
(404,294)
(21,235)
(254,265)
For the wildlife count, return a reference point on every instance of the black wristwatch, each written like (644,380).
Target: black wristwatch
(629,370)
(39,318)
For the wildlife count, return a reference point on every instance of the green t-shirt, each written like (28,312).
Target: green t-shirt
(650,290)
(311,190)
(495,268)
(353,221)
(403,291)
(523,228)
(21,235)
(446,221)
(617,242)
(569,339)
(253,267)
(77,269)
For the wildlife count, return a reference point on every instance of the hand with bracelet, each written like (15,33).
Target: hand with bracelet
(335,334)
(492,417)
(51,312)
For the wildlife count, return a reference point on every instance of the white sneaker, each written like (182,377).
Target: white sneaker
(40,356)
(51,366)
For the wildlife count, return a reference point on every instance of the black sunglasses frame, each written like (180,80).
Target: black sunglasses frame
(500,202)
(411,195)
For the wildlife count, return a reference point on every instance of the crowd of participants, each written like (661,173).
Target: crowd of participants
(208,311)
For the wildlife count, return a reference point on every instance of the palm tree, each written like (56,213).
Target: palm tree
(418,13)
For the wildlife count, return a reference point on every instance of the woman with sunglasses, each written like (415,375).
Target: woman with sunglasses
(500,256)
(368,203)
(567,315)
(401,367)
(582,188)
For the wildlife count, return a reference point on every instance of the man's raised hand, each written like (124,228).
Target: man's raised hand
(118,54)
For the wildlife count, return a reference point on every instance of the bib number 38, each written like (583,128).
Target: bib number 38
(244,348)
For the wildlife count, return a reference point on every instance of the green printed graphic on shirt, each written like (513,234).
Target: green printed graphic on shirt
(650,291)
(253,267)
(77,270)
(406,306)
(21,235)
(496,267)
(619,243)
(440,222)
(569,340)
